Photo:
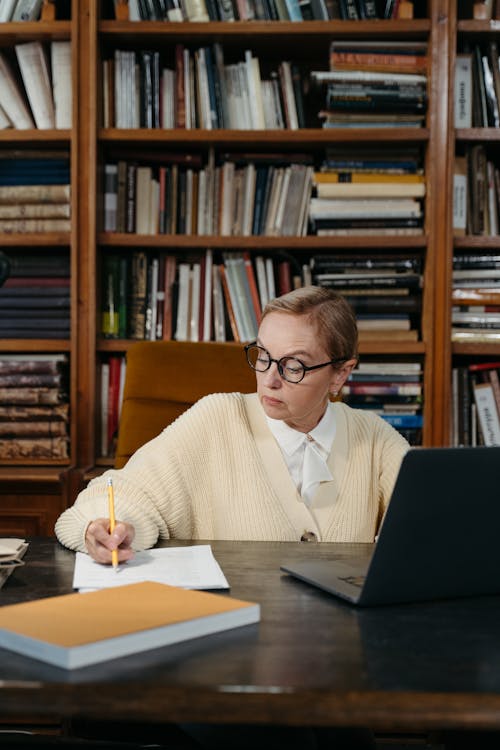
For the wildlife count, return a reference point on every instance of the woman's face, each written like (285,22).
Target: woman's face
(300,405)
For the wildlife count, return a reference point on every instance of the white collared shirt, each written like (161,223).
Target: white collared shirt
(306,454)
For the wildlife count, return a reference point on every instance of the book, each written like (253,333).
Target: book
(460,196)
(75,630)
(463,91)
(35,73)
(60,54)
(487,412)
(27,10)
(11,98)
(12,551)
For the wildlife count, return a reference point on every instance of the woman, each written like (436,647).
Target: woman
(281,465)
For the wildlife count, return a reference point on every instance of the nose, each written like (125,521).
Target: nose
(271,377)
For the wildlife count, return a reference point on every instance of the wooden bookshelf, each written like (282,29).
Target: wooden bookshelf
(34,492)
(463,31)
(308,42)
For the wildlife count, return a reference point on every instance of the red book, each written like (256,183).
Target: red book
(113,401)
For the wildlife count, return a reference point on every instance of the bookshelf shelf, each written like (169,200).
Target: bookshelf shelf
(477,349)
(382,346)
(479,242)
(471,26)
(26,31)
(272,29)
(478,134)
(258,242)
(38,345)
(38,137)
(307,137)
(35,239)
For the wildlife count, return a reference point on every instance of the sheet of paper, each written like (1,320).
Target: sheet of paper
(187,567)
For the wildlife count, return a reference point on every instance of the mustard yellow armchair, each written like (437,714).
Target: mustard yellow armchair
(164,378)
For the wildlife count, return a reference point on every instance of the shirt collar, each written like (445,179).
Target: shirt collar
(290,440)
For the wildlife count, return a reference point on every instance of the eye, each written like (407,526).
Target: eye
(293,366)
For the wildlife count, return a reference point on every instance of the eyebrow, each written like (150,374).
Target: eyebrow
(298,352)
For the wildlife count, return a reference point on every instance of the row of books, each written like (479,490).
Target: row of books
(261,10)
(220,296)
(20,10)
(476,297)
(35,298)
(477,87)
(34,192)
(199,90)
(36,86)
(393,390)
(232,198)
(374,84)
(34,408)
(161,296)
(476,404)
(476,193)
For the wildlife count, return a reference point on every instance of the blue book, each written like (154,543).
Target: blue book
(293,9)
(404,420)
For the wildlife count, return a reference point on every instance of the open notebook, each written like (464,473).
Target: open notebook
(439,538)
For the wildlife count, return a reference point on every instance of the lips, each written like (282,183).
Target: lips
(272,401)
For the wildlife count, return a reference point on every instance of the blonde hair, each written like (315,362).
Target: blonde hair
(330,314)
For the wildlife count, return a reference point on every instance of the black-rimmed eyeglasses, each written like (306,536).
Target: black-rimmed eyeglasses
(291,369)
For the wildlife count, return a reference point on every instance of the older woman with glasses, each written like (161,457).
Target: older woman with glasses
(285,463)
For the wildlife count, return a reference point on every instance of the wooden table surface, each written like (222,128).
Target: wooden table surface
(312,660)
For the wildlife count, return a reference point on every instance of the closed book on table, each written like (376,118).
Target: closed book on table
(75,630)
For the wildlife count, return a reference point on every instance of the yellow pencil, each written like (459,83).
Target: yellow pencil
(111,503)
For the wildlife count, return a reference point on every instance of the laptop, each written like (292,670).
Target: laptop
(439,538)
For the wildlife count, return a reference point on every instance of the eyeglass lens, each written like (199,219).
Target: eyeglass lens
(290,369)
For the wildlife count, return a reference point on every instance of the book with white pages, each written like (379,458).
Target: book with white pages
(12,99)
(191,567)
(35,73)
(60,54)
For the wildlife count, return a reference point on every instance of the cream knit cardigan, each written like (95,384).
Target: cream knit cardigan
(218,473)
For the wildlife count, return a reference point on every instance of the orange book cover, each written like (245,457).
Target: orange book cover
(74,630)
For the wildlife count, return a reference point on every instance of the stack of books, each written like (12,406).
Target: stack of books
(35,298)
(393,390)
(375,84)
(368,192)
(34,193)
(476,297)
(34,407)
(385,291)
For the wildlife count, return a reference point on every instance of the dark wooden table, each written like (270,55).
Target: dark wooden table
(312,660)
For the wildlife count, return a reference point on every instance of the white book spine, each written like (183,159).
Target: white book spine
(463,91)
(194,312)
(104,407)
(487,413)
(6,10)
(271,286)
(36,79)
(61,83)
(207,311)
(260,270)
(12,100)
(181,330)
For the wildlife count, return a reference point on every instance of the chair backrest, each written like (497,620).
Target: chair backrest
(164,378)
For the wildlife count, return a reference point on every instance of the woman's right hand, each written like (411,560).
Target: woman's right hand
(100,543)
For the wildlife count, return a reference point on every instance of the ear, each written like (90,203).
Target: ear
(341,376)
